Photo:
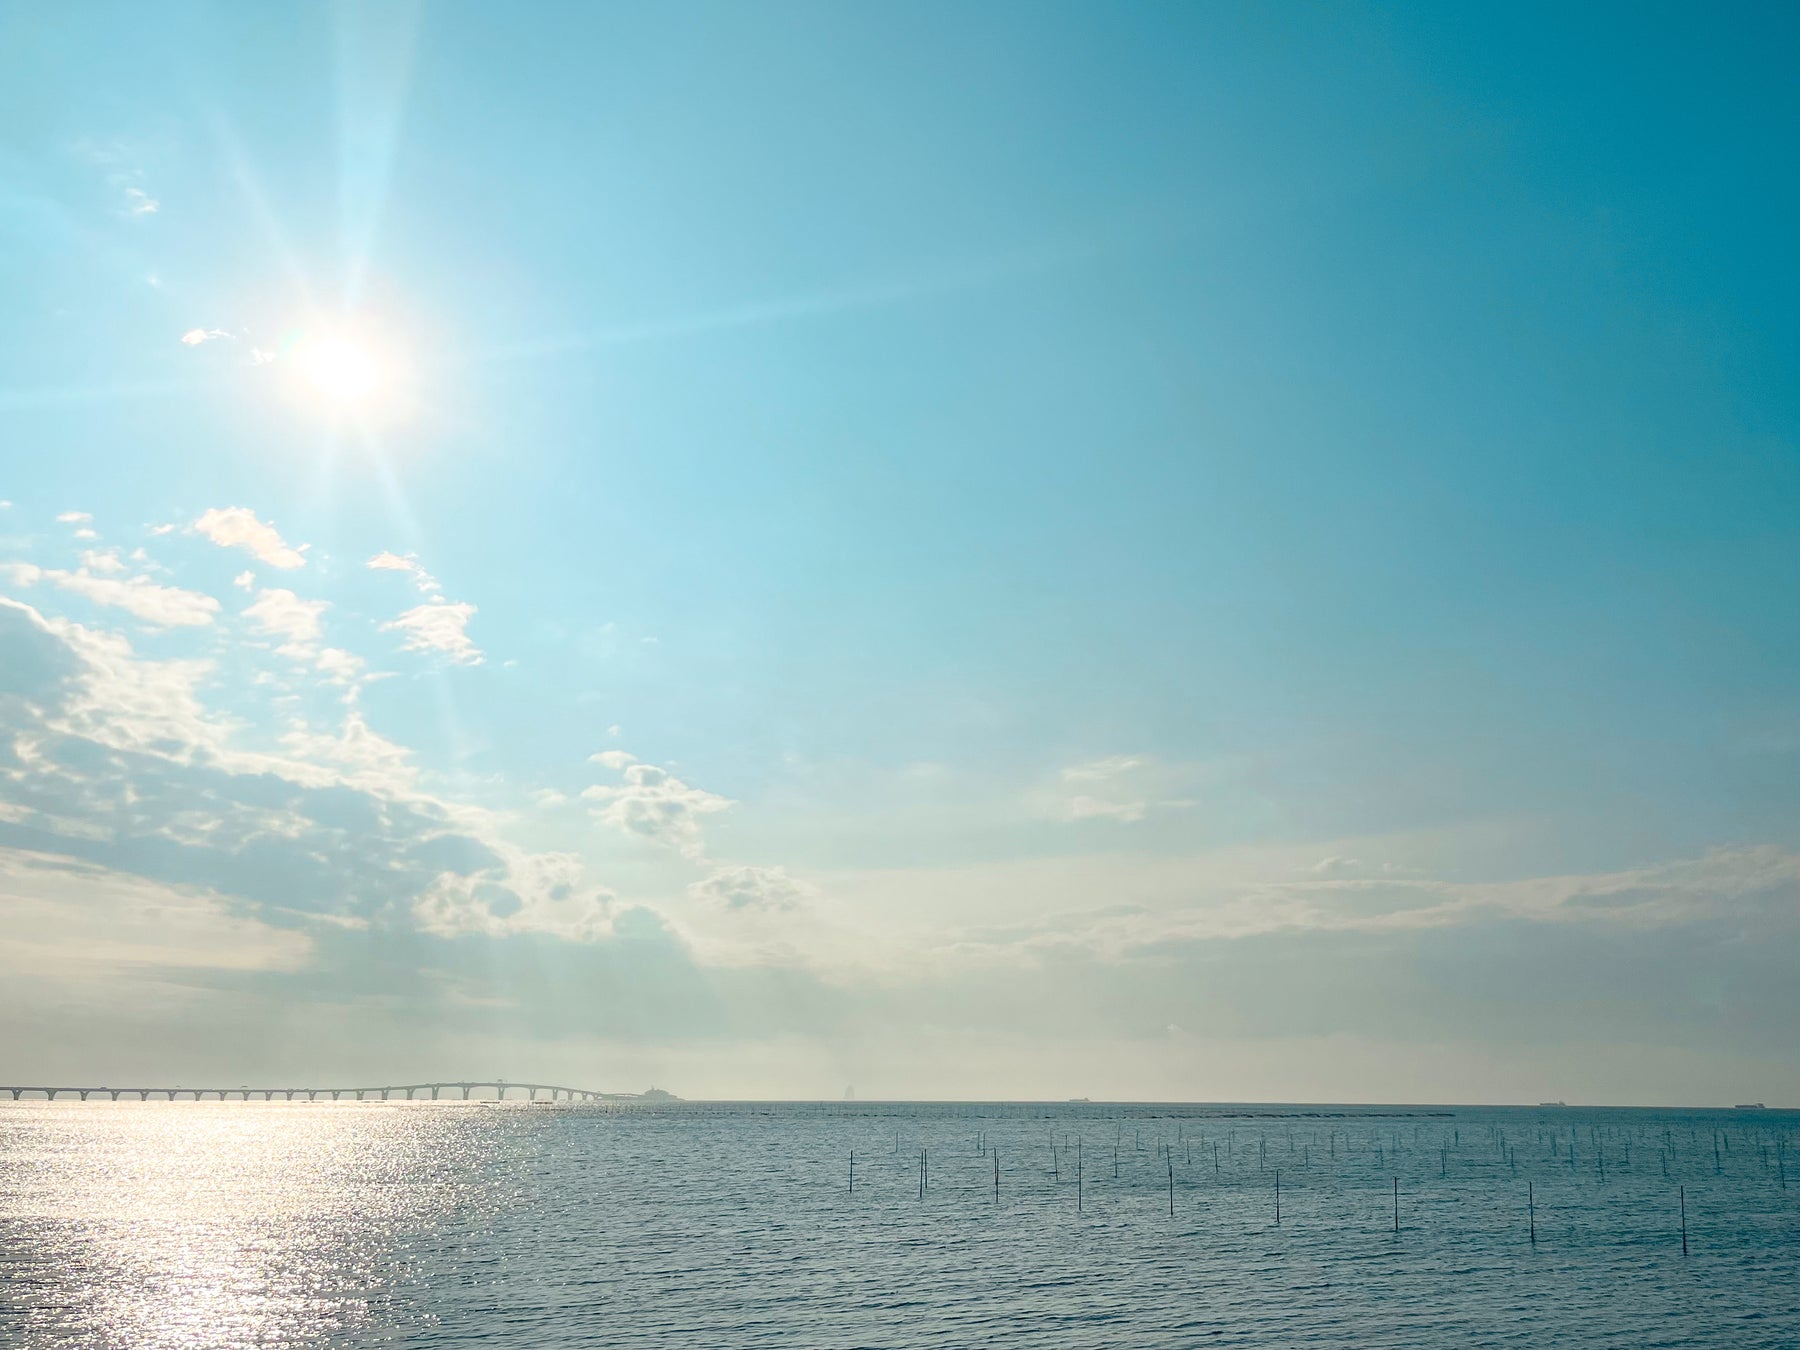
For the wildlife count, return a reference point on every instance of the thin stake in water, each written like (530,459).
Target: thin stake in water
(1683,1191)
(1278,1197)
(1396,1204)
(1531,1210)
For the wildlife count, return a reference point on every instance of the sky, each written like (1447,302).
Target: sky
(1178,552)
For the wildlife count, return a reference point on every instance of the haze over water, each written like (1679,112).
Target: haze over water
(150,1225)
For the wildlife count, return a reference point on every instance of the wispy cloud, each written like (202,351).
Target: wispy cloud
(283,614)
(1122,788)
(159,606)
(407,563)
(238,527)
(438,626)
(195,336)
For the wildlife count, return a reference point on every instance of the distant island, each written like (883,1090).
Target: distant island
(654,1094)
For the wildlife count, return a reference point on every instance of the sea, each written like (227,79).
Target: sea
(187,1224)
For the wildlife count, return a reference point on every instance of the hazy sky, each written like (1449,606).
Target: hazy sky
(1171,551)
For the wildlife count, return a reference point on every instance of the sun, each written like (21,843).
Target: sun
(341,369)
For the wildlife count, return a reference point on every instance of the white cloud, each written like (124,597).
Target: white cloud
(195,336)
(74,518)
(281,613)
(408,563)
(339,666)
(104,561)
(238,527)
(1102,770)
(118,763)
(438,626)
(1082,807)
(751,888)
(653,804)
(140,203)
(1122,788)
(60,917)
(613,759)
(246,580)
(159,606)
(540,893)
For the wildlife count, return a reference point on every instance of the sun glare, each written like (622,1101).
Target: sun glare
(341,369)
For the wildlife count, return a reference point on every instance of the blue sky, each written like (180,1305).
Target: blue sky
(1172,551)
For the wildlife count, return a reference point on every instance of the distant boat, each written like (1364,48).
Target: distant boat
(1749,1106)
(1552,1103)
(1078,1099)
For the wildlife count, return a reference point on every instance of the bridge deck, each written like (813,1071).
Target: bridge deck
(458,1091)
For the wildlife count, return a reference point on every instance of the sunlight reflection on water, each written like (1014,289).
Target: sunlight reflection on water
(218,1224)
(231,1224)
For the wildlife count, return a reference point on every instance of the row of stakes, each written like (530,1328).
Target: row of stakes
(1444,1152)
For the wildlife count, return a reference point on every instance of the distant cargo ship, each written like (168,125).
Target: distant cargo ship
(1749,1106)
(1552,1103)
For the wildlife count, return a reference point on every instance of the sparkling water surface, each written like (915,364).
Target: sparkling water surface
(230,1224)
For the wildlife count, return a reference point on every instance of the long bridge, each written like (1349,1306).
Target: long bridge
(455,1091)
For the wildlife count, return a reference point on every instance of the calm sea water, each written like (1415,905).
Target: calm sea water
(201,1224)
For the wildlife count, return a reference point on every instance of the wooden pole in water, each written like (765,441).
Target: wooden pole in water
(853,1171)
(1055,1166)
(1278,1197)
(1683,1191)
(1531,1210)
(1215,1160)
(1396,1204)
(921,1174)
(1078,1174)
(996,1176)
(1171,1162)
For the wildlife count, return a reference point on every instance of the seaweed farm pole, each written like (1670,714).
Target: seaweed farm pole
(1396,1204)
(1531,1210)
(921,1174)
(1215,1160)
(1055,1166)
(1278,1197)
(1078,1174)
(1683,1192)
(853,1171)
(996,1175)
(1169,1158)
